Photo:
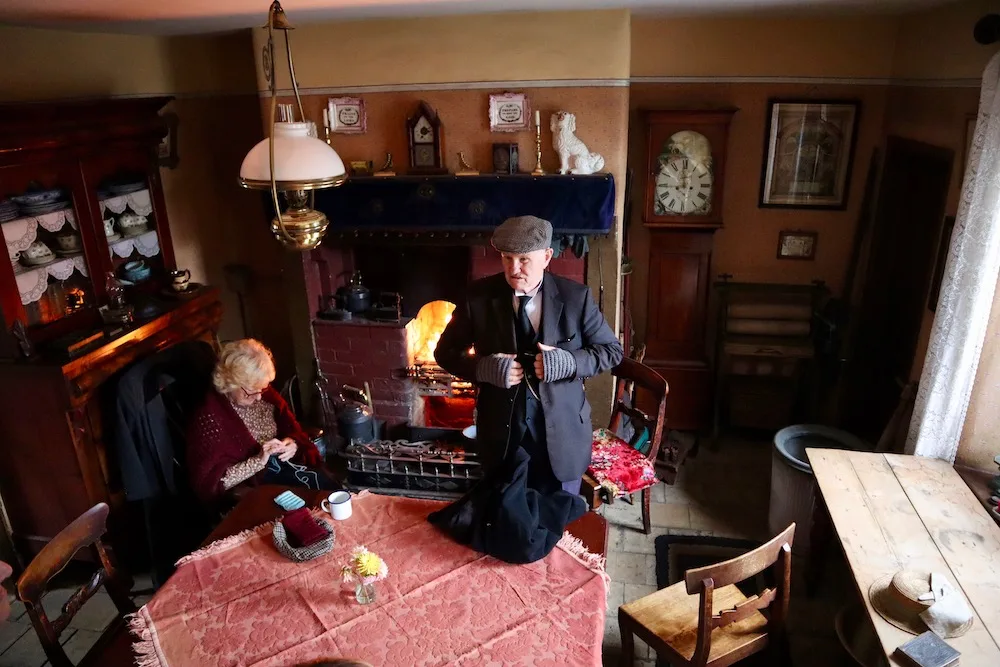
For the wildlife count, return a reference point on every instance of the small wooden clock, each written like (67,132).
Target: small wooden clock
(686,167)
(426,138)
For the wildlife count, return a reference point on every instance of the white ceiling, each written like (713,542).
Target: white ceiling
(201,16)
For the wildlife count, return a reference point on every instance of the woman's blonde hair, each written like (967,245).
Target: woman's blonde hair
(243,363)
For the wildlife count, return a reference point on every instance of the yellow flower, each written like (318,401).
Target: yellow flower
(367,564)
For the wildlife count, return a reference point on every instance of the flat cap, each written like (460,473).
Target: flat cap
(523,234)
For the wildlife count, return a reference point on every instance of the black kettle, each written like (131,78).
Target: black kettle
(355,297)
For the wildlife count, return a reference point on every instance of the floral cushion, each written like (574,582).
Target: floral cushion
(617,466)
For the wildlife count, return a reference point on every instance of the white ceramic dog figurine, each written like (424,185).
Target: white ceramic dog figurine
(574,158)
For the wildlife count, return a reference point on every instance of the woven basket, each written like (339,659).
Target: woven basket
(300,554)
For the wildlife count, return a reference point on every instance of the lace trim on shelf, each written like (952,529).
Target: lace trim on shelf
(32,283)
(148,245)
(21,233)
(139,202)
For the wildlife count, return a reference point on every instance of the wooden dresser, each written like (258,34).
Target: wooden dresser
(80,200)
(55,457)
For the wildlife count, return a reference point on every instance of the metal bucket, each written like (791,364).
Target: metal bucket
(792,483)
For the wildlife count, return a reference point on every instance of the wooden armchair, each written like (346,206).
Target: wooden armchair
(681,624)
(631,375)
(114,647)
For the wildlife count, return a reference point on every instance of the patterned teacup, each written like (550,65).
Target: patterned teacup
(180,280)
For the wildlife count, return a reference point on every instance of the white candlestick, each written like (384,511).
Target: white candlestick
(538,118)
(326,118)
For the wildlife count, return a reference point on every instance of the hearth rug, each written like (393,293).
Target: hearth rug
(239,602)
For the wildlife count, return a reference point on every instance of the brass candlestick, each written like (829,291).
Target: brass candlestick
(538,171)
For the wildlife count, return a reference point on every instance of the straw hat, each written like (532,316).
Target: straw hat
(896,599)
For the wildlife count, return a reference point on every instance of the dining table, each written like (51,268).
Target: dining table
(892,512)
(238,601)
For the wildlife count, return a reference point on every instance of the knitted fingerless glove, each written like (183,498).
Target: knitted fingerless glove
(559,364)
(494,369)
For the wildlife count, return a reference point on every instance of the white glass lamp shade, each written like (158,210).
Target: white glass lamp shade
(301,162)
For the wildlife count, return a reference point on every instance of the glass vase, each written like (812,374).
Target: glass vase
(365,593)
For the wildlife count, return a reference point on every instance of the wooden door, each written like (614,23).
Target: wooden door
(909,213)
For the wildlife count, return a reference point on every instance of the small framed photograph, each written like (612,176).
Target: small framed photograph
(346,115)
(808,152)
(797,245)
(509,112)
(505,158)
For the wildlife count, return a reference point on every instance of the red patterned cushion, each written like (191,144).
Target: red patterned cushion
(614,462)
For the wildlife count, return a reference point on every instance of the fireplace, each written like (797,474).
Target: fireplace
(396,358)
(418,242)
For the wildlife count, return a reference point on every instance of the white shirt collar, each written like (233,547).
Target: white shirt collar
(531,292)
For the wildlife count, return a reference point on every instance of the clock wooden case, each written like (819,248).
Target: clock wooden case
(686,167)
(425,133)
(682,209)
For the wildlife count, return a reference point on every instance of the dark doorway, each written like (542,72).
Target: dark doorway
(418,273)
(909,214)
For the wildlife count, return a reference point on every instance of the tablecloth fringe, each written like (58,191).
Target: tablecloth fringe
(575,548)
(227,543)
(144,649)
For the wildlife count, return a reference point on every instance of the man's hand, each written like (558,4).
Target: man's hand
(540,362)
(553,364)
(516,374)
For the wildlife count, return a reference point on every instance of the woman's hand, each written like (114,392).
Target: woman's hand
(288,449)
(270,448)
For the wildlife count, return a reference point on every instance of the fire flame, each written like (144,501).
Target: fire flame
(424,331)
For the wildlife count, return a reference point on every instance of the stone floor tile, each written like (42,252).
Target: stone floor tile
(632,569)
(635,591)
(96,614)
(53,601)
(616,596)
(79,643)
(670,515)
(657,494)
(11,631)
(25,652)
(17,609)
(637,542)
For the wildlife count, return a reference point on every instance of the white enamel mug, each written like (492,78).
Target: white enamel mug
(338,504)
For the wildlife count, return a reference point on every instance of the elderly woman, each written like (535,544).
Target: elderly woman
(245,432)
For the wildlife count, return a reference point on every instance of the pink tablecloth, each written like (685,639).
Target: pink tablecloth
(239,602)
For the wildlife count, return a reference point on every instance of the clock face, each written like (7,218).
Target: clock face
(683,187)
(423,156)
(423,132)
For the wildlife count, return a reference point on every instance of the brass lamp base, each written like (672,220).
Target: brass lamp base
(300,227)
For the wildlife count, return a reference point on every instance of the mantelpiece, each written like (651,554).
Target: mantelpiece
(471,204)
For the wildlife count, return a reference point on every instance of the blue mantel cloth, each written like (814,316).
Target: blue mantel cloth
(573,204)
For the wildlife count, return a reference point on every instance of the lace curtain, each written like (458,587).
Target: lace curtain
(967,290)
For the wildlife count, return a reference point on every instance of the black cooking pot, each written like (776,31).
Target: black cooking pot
(355,297)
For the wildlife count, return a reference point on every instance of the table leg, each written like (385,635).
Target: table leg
(820,538)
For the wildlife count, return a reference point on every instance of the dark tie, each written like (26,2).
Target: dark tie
(525,332)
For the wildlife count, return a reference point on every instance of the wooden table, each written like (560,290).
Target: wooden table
(258,507)
(892,512)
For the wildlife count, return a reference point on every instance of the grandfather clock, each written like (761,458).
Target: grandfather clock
(686,159)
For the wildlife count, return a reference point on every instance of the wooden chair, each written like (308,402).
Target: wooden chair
(681,624)
(631,374)
(114,647)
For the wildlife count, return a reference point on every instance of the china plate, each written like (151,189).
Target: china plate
(138,231)
(38,198)
(35,263)
(43,208)
(126,188)
(68,253)
(114,237)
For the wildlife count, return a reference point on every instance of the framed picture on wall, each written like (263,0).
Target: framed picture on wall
(509,112)
(346,115)
(797,245)
(808,152)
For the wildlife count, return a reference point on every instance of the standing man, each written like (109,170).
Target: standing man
(529,339)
